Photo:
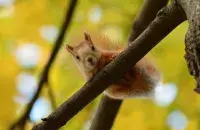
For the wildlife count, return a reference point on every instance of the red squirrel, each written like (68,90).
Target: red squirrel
(140,81)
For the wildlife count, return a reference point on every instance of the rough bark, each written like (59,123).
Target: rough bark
(192,39)
(20,124)
(166,20)
(105,116)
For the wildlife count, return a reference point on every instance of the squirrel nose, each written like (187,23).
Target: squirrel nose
(90,59)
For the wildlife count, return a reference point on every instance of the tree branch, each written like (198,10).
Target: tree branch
(106,113)
(109,107)
(166,20)
(44,77)
(146,16)
(192,39)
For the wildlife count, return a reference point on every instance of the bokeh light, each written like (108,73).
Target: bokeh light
(28,55)
(40,109)
(95,14)
(177,120)
(165,94)
(26,85)
(6,3)
(49,33)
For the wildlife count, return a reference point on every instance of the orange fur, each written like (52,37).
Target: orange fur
(133,83)
(140,81)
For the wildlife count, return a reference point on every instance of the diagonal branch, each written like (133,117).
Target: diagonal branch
(146,16)
(167,19)
(44,77)
(108,107)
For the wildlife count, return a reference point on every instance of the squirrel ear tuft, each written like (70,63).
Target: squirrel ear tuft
(69,48)
(87,37)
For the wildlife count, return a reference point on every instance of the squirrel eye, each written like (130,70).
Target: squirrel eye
(93,48)
(77,57)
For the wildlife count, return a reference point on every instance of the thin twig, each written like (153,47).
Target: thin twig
(108,108)
(44,77)
(166,20)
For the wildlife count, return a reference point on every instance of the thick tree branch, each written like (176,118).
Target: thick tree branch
(106,113)
(192,39)
(109,107)
(166,20)
(146,16)
(44,77)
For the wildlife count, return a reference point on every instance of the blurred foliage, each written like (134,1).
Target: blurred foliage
(21,23)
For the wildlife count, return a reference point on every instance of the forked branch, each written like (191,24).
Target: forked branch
(166,20)
(108,107)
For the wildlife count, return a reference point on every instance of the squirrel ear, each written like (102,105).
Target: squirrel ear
(87,37)
(69,48)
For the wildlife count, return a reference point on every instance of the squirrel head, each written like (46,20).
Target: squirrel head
(85,54)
